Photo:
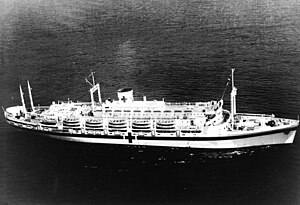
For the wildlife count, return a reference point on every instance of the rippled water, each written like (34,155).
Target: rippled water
(177,50)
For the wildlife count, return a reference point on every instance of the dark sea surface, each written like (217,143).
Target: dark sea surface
(172,49)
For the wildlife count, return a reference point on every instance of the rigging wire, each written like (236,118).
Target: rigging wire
(85,93)
(226,86)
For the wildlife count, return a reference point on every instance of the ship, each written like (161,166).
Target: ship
(128,121)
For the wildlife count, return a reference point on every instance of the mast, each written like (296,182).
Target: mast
(93,78)
(94,89)
(233,99)
(30,95)
(99,93)
(23,102)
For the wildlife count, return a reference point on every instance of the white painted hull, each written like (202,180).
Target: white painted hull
(269,139)
(284,134)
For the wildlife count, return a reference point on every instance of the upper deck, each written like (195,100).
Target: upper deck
(134,109)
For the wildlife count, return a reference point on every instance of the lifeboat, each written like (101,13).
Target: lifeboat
(71,122)
(165,124)
(141,125)
(141,122)
(94,123)
(117,127)
(48,122)
(117,124)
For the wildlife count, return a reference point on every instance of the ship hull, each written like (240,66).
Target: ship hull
(260,140)
(233,140)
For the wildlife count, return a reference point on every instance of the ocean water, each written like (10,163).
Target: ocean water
(171,49)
